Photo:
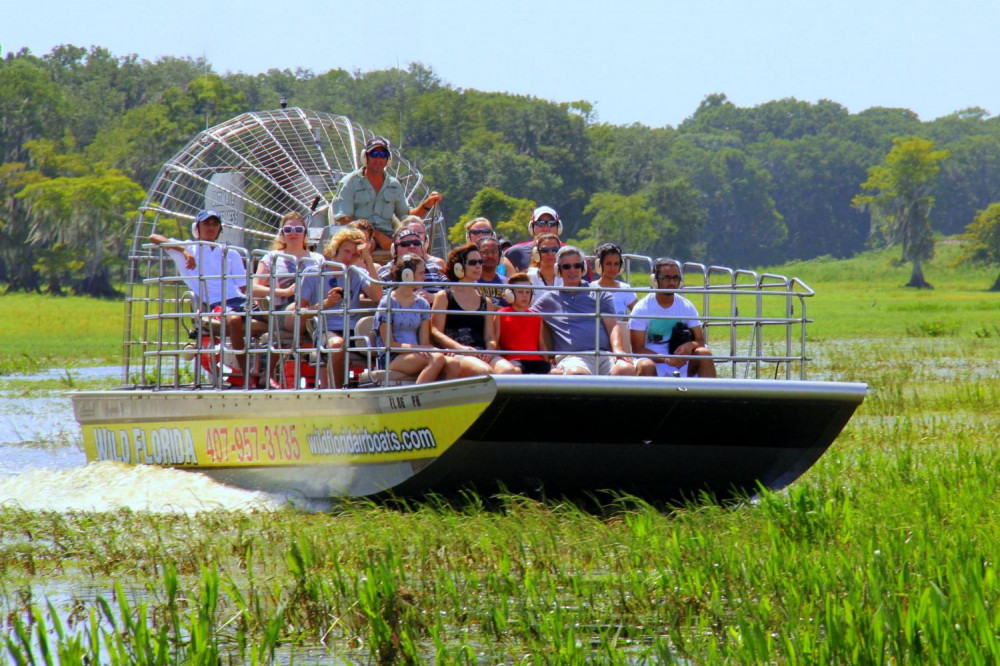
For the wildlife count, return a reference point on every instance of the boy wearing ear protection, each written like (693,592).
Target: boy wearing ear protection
(373,194)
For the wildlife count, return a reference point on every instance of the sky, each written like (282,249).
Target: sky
(637,62)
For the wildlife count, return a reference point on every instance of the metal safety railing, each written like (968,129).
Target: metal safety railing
(179,334)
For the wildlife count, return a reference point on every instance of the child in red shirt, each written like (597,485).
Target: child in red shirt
(522,332)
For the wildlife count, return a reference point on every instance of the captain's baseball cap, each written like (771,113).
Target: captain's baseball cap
(542,210)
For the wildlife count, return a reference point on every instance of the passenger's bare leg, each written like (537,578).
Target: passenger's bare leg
(502,366)
(335,363)
(702,367)
(237,333)
(432,370)
(645,367)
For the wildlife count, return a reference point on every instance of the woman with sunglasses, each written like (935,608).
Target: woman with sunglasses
(276,273)
(543,261)
(288,257)
(460,319)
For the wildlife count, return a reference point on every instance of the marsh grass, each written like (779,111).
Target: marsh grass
(886,551)
(39,331)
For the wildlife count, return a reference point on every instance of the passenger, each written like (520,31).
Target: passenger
(653,336)
(490,249)
(452,325)
(373,194)
(411,329)
(288,257)
(543,270)
(478,228)
(544,219)
(206,272)
(574,336)
(608,264)
(366,227)
(408,241)
(522,332)
(417,224)
(323,293)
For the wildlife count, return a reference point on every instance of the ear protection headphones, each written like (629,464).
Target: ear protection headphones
(508,295)
(407,274)
(653,282)
(194,231)
(558,232)
(536,256)
(458,269)
(603,251)
(376,141)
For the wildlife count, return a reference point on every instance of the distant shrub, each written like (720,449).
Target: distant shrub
(934,328)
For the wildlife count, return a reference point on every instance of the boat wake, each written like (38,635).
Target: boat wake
(109,486)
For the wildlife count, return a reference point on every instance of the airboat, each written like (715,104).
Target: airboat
(181,403)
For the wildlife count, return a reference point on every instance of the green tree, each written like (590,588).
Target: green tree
(32,106)
(812,181)
(138,142)
(898,194)
(86,210)
(969,180)
(982,238)
(629,220)
(17,255)
(509,215)
(743,227)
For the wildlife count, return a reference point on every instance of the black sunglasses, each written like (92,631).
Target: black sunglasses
(548,250)
(412,243)
(566,267)
(669,278)
(473,262)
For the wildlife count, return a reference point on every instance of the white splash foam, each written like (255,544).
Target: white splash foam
(108,486)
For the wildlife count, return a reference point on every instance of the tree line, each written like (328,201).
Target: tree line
(83,133)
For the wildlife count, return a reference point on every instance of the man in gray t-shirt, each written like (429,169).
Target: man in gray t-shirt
(574,335)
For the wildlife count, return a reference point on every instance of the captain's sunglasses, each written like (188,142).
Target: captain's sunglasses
(379,153)
(293,229)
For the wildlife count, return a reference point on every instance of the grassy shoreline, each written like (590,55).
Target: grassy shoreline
(886,551)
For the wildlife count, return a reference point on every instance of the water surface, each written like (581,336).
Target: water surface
(42,465)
